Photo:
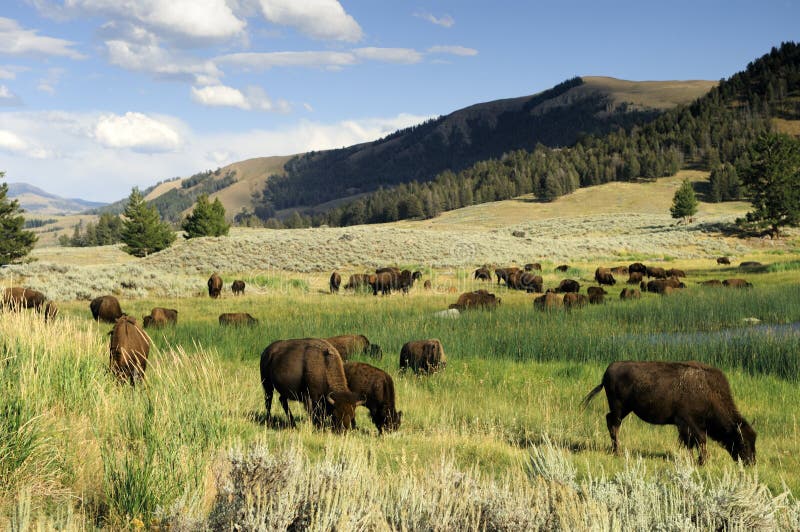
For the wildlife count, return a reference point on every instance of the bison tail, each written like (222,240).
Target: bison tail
(588,398)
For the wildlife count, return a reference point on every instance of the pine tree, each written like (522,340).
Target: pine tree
(143,232)
(207,219)
(15,242)
(684,203)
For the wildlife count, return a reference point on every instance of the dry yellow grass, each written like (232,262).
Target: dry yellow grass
(791,127)
(64,225)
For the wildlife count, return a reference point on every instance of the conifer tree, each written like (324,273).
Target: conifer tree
(684,203)
(143,232)
(207,219)
(15,242)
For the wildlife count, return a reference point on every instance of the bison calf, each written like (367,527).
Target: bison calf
(237,287)
(376,388)
(423,356)
(128,351)
(694,397)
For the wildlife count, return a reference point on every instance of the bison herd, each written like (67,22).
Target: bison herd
(318,372)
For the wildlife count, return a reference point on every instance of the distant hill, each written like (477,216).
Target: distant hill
(37,201)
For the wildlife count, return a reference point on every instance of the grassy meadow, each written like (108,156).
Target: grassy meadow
(496,441)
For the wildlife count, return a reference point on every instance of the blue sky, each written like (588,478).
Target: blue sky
(97,96)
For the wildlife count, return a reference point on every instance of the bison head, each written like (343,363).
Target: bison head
(343,409)
(375,351)
(390,420)
(742,444)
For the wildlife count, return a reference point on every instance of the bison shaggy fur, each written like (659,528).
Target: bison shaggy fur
(635,277)
(562,267)
(573,300)
(630,293)
(237,287)
(214,286)
(548,301)
(376,388)
(237,318)
(694,397)
(423,356)
(657,272)
(736,283)
(105,308)
(479,299)
(603,276)
(354,344)
(637,267)
(159,317)
(568,285)
(724,260)
(128,350)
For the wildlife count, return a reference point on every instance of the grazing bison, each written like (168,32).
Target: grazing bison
(351,344)
(568,285)
(694,397)
(562,268)
(662,286)
(635,277)
(724,260)
(237,287)
(596,290)
(311,371)
(736,283)
(423,356)
(214,286)
(505,273)
(17,298)
(712,282)
(533,266)
(620,270)
(383,283)
(597,298)
(358,280)
(479,299)
(637,267)
(572,300)
(405,281)
(482,274)
(630,293)
(603,276)
(675,272)
(237,318)
(427,284)
(105,308)
(657,272)
(334,282)
(159,317)
(376,387)
(548,301)
(128,351)
(530,282)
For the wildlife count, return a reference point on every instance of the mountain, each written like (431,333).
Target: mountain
(37,201)
(325,179)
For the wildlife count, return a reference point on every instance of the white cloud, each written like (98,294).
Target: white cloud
(319,19)
(14,40)
(12,143)
(453,50)
(446,21)
(389,55)
(10,72)
(136,131)
(50,81)
(8,98)
(193,19)
(254,98)
(264,60)
(151,58)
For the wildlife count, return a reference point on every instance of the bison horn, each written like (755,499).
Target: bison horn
(330,399)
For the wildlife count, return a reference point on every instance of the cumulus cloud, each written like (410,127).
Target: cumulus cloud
(265,60)
(319,19)
(10,142)
(446,21)
(136,131)
(14,40)
(389,55)
(453,50)
(254,98)
(149,57)
(8,98)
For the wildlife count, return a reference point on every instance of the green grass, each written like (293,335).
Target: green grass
(505,412)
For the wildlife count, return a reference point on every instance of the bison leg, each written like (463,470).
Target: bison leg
(613,422)
(285,404)
(268,391)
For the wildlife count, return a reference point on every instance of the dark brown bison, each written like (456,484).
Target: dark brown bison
(405,281)
(334,282)
(106,308)
(712,282)
(427,284)
(619,270)
(358,280)
(568,285)
(160,317)
(657,272)
(311,371)
(237,287)
(675,272)
(530,282)
(637,267)
(479,299)
(572,300)
(237,318)
(596,290)
(603,276)
(630,293)
(128,351)
(423,356)
(388,269)
(17,298)
(376,387)
(383,282)
(533,266)
(662,286)
(214,286)
(597,298)
(353,344)
(736,283)
(724,260)
(694,397)
(482,274)
(548,301)
(562,268)
(635,277)
(504,273)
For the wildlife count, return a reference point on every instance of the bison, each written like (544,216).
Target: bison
(128,351)
(750,264)
(596,290)
(383,282)
(17,298)
(376,388)
(620,270)
(427,284)
(568,285)
(214,286)
(597,298)
(479,299)
(388,269)
(106,308)
(724,260)
(237,318)
(675,272)
(533,266)
(159,317)
(635,277)
(530,282)
(358,280)
(352,344)
(562,268)
(630,293)
(662,286)
(657,272)
(237,287)
(423,356)
(482,274)
(572,300)
(736,283)
(311,371)
(334,282)
(504,273)
(712,282)
(603,276)
(694,397)
(548,301)
(637,267)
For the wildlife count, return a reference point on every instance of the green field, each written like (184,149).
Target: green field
(495,441)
